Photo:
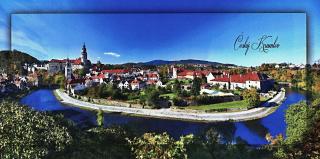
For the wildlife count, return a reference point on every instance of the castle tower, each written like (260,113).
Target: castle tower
(84,55)
(68,70)
(84,59)
(174,72)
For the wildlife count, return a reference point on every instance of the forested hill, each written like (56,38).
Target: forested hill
(14,60)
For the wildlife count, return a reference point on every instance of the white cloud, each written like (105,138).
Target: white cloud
(20,40)
(112,54)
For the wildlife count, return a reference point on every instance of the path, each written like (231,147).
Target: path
(254,113)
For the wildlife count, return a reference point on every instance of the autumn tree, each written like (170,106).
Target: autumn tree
(160,146)
(251,96)
(25,133)
(303,136)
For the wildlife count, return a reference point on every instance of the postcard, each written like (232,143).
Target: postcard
(157,84)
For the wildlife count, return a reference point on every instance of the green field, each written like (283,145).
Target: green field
(225,105)
(170,95)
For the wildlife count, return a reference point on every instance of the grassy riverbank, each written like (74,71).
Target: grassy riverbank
(226,105)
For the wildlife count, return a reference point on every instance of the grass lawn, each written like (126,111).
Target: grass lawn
(185,81)
(170,95)
(263,99)
(225,105)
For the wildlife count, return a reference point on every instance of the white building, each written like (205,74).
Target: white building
(250,80)
(56,66)
(124,85)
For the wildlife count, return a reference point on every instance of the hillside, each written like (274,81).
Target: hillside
(14,60)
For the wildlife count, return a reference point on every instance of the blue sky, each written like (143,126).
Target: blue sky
(185,40)
(121,38)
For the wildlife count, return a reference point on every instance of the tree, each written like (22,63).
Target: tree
(25,133)
(152,96)
(100,118)
(251,97)
(82,72)
(48,80)
(303,136)
(177,86)
(163,73)
(196,84)
(160,146)
(104,91)
(93,92)
(59,80)
(98,143)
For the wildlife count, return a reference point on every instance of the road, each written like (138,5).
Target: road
(250,114)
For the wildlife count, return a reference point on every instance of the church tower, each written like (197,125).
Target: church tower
(68,70)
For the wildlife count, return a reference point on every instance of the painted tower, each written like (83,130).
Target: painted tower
(84,59)
(174,72)
(84,55)
(68,70)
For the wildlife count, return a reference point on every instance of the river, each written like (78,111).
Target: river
(253,132)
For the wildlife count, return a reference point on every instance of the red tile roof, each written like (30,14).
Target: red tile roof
(194,72)
(186,73)
(101,76)
(115,71)
(223,78)
(238,78)
(73,61)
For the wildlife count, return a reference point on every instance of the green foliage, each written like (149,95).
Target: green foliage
(163,73)
(152,96)
(252,97)
(25,133)
(12,61)
(298,119)
(177,86)
(303,136)
(196,84)
(161,146)
(82,72)
(104,90)
(100,118)
(142,100)
(184,93)
(117,94)
(98,143)
(93,92)
(177,101)
(48,80)
(59,80)
(223,106)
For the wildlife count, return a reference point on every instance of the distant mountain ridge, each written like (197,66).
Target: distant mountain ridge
(188,61)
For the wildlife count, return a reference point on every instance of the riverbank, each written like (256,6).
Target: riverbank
(251,114)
